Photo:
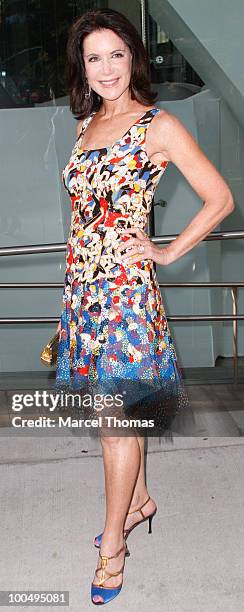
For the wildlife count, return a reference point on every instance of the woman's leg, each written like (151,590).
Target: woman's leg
(140,493)
(122,458)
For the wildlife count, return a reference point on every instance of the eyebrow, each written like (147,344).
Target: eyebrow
(110,52)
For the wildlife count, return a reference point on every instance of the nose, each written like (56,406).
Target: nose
(106,66)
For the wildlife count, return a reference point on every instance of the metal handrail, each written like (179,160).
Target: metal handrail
(170,318)
(61,246)
(60,285)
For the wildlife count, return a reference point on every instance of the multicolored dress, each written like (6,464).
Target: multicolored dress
(114,331)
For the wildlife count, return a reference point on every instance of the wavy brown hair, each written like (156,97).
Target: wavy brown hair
(90,22)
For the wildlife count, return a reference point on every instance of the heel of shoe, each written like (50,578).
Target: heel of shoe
(150,524)
(150,518)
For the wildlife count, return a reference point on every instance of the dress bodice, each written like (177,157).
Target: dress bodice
(111,188)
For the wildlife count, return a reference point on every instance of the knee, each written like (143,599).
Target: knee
(114,442)
(109,441)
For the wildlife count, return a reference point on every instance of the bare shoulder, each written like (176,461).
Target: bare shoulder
(166,131)
(159,133)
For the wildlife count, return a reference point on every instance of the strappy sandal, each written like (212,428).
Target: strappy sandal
(107,593)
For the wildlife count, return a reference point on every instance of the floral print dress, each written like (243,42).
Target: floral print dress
(113,325)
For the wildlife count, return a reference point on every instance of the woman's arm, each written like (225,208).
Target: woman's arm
(169,137)
(182,149)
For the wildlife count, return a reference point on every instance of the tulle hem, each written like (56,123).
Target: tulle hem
(125,407)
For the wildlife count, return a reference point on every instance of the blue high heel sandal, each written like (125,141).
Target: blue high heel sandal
(98,539)
(107,593)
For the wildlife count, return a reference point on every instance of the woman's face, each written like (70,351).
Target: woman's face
(107,61)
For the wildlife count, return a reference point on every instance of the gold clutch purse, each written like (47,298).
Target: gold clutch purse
(50,351)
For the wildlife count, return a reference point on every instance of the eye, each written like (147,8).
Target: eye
(119,54)
(91,58)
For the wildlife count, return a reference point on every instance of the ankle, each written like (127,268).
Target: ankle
(138,499)
(112,539)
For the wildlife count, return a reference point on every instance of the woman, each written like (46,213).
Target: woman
(111,297)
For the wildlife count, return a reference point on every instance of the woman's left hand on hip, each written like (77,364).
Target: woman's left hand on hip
(141,247)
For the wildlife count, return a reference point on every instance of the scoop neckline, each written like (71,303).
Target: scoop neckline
(109,147)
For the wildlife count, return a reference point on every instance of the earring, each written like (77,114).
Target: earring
(88,93)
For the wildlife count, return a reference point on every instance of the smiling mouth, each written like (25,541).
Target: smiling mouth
(109,83)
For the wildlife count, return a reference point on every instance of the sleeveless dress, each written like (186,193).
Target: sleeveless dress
(114,332)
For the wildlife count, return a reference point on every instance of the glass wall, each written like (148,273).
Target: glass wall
(168,66)
(33,36)
(211,111)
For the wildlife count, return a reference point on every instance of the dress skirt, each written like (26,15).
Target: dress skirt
(118,362)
